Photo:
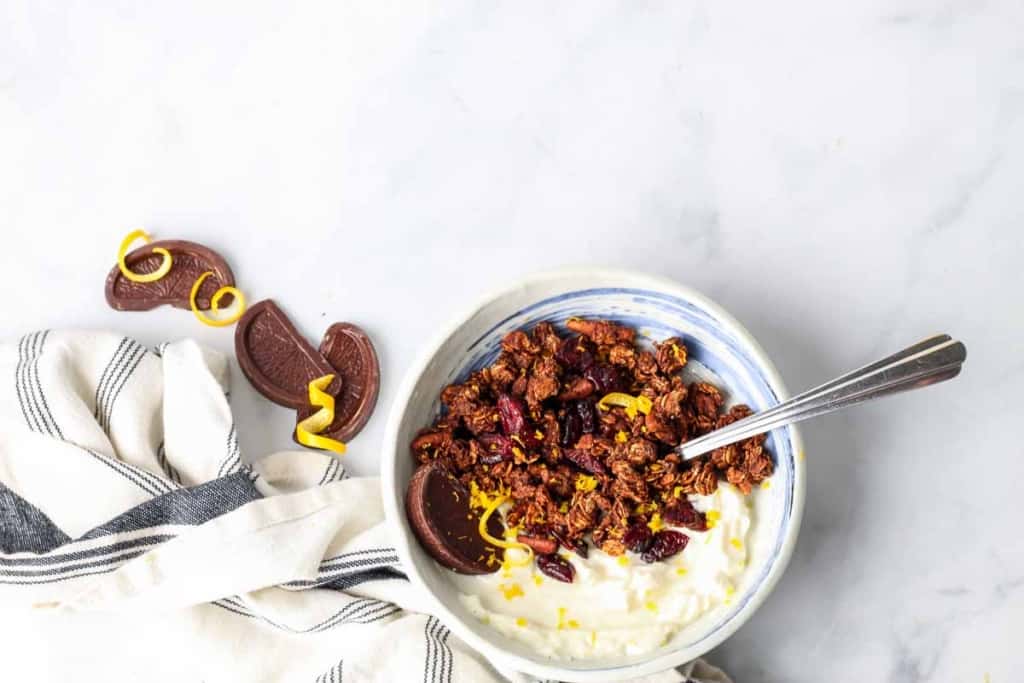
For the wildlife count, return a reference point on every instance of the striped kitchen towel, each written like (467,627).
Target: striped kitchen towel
(123,491)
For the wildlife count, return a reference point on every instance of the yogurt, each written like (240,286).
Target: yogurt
(617,606)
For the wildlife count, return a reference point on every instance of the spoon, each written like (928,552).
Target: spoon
(928,362)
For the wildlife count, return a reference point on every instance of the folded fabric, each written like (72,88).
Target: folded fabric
(122,490)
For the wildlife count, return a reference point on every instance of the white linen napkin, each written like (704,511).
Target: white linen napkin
(122,489)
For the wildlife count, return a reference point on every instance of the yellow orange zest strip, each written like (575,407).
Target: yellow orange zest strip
(632,404)
(165,266)
(307,432)
(500,542)
(214,300)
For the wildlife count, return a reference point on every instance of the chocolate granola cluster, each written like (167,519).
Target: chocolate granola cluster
(579,431)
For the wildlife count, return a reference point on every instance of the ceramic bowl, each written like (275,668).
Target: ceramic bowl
(657,308)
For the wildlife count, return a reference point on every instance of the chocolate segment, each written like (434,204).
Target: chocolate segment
(350,352)
(278,361)
(437,506)
(189,261)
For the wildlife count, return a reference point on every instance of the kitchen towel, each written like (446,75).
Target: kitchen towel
(123,493)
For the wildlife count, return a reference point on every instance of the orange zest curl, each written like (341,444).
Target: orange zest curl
(632,404)
(308,431)
(165,266)
(214,301)
(500,542)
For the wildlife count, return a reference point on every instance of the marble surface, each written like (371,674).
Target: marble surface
(844,177)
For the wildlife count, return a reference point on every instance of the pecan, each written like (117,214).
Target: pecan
(429,442)
(602,332)
(541,546)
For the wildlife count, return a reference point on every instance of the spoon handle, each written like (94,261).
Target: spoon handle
(933,360)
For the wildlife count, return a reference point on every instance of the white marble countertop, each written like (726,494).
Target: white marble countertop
(844,177)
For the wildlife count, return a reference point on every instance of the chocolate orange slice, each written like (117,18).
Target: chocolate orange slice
(278,361)
(189,261)
(350,352)
(437,506)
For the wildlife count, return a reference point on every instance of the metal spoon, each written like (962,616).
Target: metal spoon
(928,362)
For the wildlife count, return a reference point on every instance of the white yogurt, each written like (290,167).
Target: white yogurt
(616,607)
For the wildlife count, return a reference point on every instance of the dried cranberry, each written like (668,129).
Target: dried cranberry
(666,544)
(496,448)
(585,460)
(572,427)
(514,422)
(513,414)
(575,353)
(588,415)
(682,513)
(556,567)
(605,377)
(638,538)
(540,545)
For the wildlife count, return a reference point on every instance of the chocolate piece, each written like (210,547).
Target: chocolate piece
(189,261)
(278,361)
(350,352)
(437,506)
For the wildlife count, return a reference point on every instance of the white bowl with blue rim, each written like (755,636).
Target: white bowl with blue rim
(657,308)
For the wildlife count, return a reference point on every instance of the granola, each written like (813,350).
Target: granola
(578,431)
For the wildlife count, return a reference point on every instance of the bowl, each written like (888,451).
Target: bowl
(657,308)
